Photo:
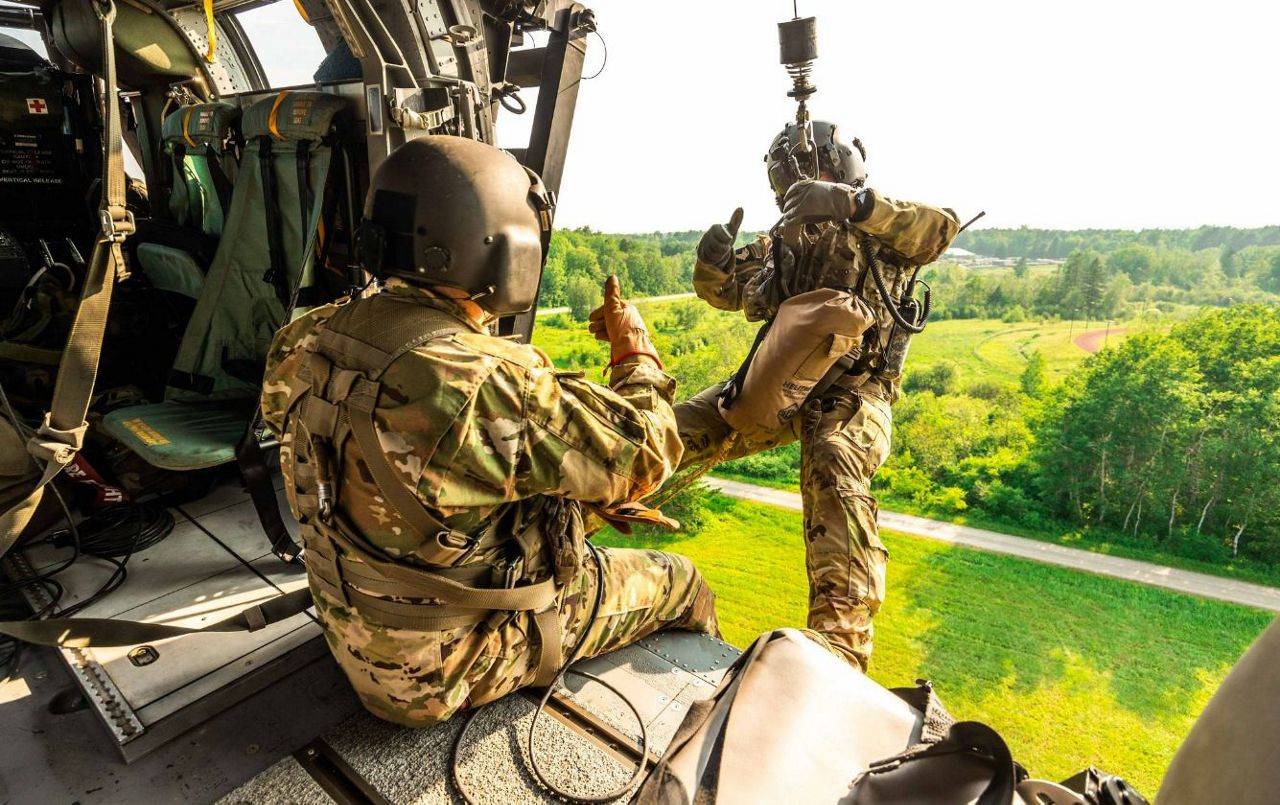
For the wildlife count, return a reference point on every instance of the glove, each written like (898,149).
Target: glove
(619,323)
(815,202)
(716,246)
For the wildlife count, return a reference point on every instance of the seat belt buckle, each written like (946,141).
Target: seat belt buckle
(116,230)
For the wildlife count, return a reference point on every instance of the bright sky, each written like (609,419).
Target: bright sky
(1053,114)
(1087,113)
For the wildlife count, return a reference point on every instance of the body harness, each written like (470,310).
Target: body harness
(353,350)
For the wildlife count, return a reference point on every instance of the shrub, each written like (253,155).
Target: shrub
(940,378)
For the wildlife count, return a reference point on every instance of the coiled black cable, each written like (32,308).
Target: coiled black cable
(119,530)
(876,269)
(534,769)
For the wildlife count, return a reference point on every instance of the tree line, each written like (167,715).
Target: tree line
(1107,274)
(1058,243)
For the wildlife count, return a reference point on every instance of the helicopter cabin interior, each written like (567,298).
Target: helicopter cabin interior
(248,173)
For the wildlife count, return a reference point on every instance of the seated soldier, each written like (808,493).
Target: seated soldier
(440,472)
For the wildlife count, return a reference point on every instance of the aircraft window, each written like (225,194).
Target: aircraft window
(286,45)
(27,37)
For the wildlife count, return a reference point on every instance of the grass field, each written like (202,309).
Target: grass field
(990,349)
(1072,669)
(981,348)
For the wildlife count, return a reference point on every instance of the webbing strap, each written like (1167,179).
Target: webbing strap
(423,583)
(61,434)
(731,391)
(303,161)
(90,632)
(180,205)
(276,273)
(547,622)
(257,480)
(273,116)
(221,184)
(186,127)
(463,605)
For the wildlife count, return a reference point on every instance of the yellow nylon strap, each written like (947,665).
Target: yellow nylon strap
(209,55)
(186,127)
(271,118)
(301,11)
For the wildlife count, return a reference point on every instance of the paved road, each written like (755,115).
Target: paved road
(551,311)
(1186,581)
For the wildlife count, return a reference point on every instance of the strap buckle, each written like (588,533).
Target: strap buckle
(115,230)
(458,541)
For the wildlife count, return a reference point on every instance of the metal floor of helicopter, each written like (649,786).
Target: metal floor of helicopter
(267,717)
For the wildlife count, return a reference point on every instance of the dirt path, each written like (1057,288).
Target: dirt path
(1185,581)
(1094,340)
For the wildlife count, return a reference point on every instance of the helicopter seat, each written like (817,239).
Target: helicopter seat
(202,140)
(261,273)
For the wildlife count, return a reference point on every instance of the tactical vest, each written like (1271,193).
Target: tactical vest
(839,258)
(447,584)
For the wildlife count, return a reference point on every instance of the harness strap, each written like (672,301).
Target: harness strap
(303,162)
(275,274)
(460,603)
(90,632)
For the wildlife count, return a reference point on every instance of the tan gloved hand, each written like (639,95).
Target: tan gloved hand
(716,245)
(619,323)
(815,202)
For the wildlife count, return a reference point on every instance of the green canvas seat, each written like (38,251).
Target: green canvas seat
(263,260)
(175,435)
(201,140)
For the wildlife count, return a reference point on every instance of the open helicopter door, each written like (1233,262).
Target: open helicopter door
(449,67)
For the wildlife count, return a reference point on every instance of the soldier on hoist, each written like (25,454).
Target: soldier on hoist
(827,381)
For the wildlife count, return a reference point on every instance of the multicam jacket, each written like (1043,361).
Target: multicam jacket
(904,234)
(476,424)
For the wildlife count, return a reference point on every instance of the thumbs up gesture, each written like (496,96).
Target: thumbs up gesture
(618,322)
(716,246)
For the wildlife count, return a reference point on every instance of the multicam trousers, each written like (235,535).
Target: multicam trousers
(844,439)
(422,678)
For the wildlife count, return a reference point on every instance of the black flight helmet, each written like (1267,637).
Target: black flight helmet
(451,211)
(836,160)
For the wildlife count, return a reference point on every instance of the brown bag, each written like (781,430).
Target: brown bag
(810,334)
(790,724)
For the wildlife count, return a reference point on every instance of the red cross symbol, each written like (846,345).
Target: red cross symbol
(37,106)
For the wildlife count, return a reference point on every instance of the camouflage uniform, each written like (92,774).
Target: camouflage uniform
(844,435)
(495,441)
